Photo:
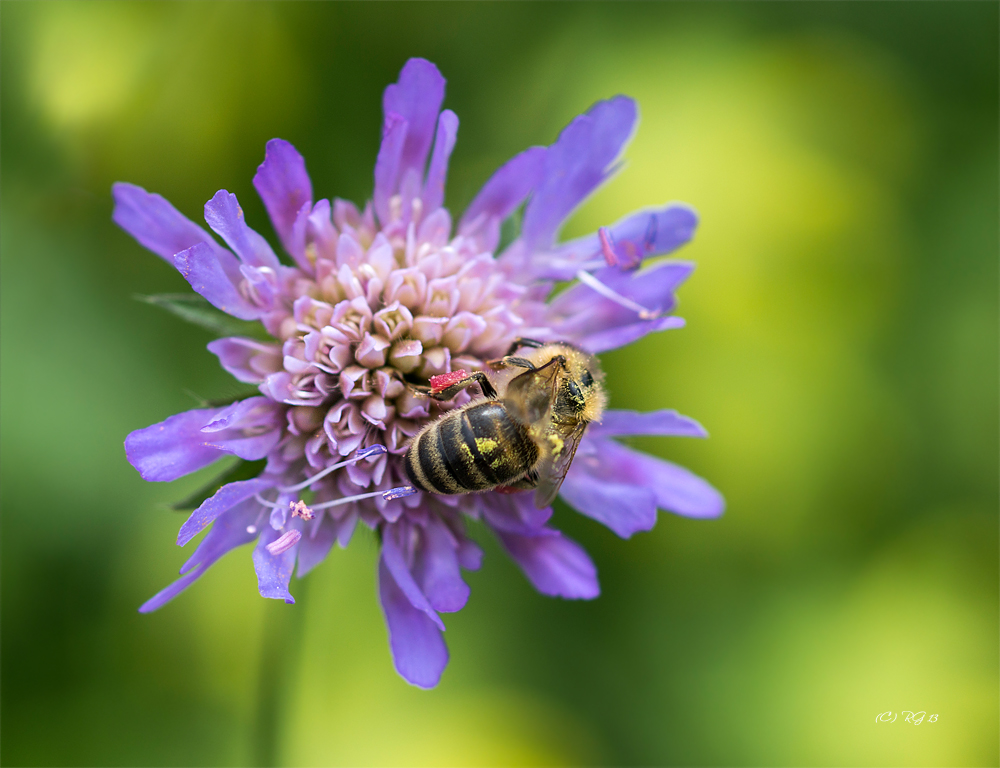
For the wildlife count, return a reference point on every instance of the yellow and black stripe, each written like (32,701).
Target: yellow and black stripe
(474,448)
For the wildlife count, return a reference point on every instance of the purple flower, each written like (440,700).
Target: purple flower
(395,294)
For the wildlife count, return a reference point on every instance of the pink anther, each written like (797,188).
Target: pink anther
(299,509)
(284,542)
(441,382)
(607,246)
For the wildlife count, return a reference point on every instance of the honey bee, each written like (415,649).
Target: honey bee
(525,438)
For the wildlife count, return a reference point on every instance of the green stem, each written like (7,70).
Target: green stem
(279,663)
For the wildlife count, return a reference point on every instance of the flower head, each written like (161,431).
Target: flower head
(377,308)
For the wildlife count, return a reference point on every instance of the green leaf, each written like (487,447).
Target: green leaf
(219,402)
(510,228)
(242,470)
(196,309)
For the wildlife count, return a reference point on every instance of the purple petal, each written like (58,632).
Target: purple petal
(667,423)
(224,499)
(554,564)
(179,445)
(155,223)
(500,196)
(248,511)
(640,235)
(514,512)
(624,508)
(345,528)
(674,488)
(470,556)
(250,414)
(225,217)
(274,571)
(249,428)
(598,323)
(284,186)
(316,544)
(677,489)
(228,532)
(201,267)
(172,448)
(387,163)
(418,650)
(296,244)
(437,172)
(416,97)
(655,231)
(246,359)
(579,161)
(320,232)
(613,338)
(437,569)
(395,561)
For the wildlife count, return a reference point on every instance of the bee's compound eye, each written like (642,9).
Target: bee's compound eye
(586,379)
(575,396)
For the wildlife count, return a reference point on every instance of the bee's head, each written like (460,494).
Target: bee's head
(581,393)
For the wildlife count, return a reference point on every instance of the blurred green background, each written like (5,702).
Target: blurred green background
(841,348)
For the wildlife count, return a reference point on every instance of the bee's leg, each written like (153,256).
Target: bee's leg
(452,388)
(520,342)
(518,362)
(525,483)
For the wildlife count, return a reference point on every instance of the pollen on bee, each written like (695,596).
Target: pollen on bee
(486,444)
(557,444)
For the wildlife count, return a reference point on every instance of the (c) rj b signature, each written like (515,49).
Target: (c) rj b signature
(916,718)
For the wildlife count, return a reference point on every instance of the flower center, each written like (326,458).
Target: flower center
(386,312)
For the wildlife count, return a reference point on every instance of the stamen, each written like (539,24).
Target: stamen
(261,500)
(649,240)
(252,529)
(609,293)
(366,453)
(399,493)
(607,246)
(392,493)
(284,542)
(299,509)
(627,254)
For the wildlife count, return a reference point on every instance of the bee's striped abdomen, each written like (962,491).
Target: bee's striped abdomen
(470,449)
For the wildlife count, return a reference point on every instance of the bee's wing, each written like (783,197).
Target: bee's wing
(531,395)
(555,464)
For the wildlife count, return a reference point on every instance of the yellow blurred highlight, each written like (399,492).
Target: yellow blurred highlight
(87,60)
(910,632)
